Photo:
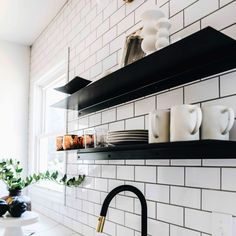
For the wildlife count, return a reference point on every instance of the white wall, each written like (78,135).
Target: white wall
(14,88)
(181,194)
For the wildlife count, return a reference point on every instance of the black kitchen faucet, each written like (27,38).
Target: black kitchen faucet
(111,195)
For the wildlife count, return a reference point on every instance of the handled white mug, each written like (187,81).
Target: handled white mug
(217,122)
(185,122)
(159,126)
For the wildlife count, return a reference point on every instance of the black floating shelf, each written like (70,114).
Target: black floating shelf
(74,85)
(203,149)
(199,55)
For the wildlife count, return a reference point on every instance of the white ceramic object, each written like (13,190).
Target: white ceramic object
(13,225)
(162,36)
(161,43)
(148,44)
(148,29)
(163,23)
(162,33)
(217,122)
(150,17)
(159,126)
(152,14)
(185,122)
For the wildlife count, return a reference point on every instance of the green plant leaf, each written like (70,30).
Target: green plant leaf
(10,174)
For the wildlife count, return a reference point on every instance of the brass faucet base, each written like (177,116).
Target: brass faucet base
(101,222)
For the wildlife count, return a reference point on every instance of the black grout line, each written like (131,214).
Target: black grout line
(228,26)
(184,216)
(170,194)
(188,6)
(203,166)
(162,184)
(221,178)
(185,177)
(168,2)
(201,200)
(184,19)
(219,84)
(184,95)
(205,16)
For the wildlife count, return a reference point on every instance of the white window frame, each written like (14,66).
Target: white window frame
(36,125)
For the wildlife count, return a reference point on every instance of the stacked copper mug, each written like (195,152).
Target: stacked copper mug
(86,140)
(69,141)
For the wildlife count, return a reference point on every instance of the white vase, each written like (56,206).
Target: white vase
(150,17)
(148,29)
(148,44)
(162,36)
(163,23)
(161,42)
(162,33)
(152,14)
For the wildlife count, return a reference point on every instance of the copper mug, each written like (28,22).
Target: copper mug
(89,138)
(59,143)
(70,141)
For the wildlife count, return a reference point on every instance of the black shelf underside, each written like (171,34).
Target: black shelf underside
(203,149)
(199,55)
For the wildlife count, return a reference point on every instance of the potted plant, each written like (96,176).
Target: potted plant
(11,175)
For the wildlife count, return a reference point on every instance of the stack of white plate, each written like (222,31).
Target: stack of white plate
(127,137)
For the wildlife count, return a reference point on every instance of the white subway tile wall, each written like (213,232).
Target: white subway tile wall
(177,22)
(202,91)
(181,194)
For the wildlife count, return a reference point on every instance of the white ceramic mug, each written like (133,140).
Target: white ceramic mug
(159,126)
(217,122)
(185,121)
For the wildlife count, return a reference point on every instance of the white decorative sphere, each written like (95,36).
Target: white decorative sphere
(162,33)
(148,29)
(161,43)
(148,44)
(152,14)
(163,23)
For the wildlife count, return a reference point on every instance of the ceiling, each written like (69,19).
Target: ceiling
(22,21)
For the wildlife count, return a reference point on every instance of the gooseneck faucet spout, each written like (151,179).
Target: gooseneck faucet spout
(112,194)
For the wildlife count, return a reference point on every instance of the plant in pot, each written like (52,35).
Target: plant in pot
(11,175)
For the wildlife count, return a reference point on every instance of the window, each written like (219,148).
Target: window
(48,122)
(53,124)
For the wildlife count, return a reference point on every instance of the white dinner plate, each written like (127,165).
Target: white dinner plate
(127,142)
